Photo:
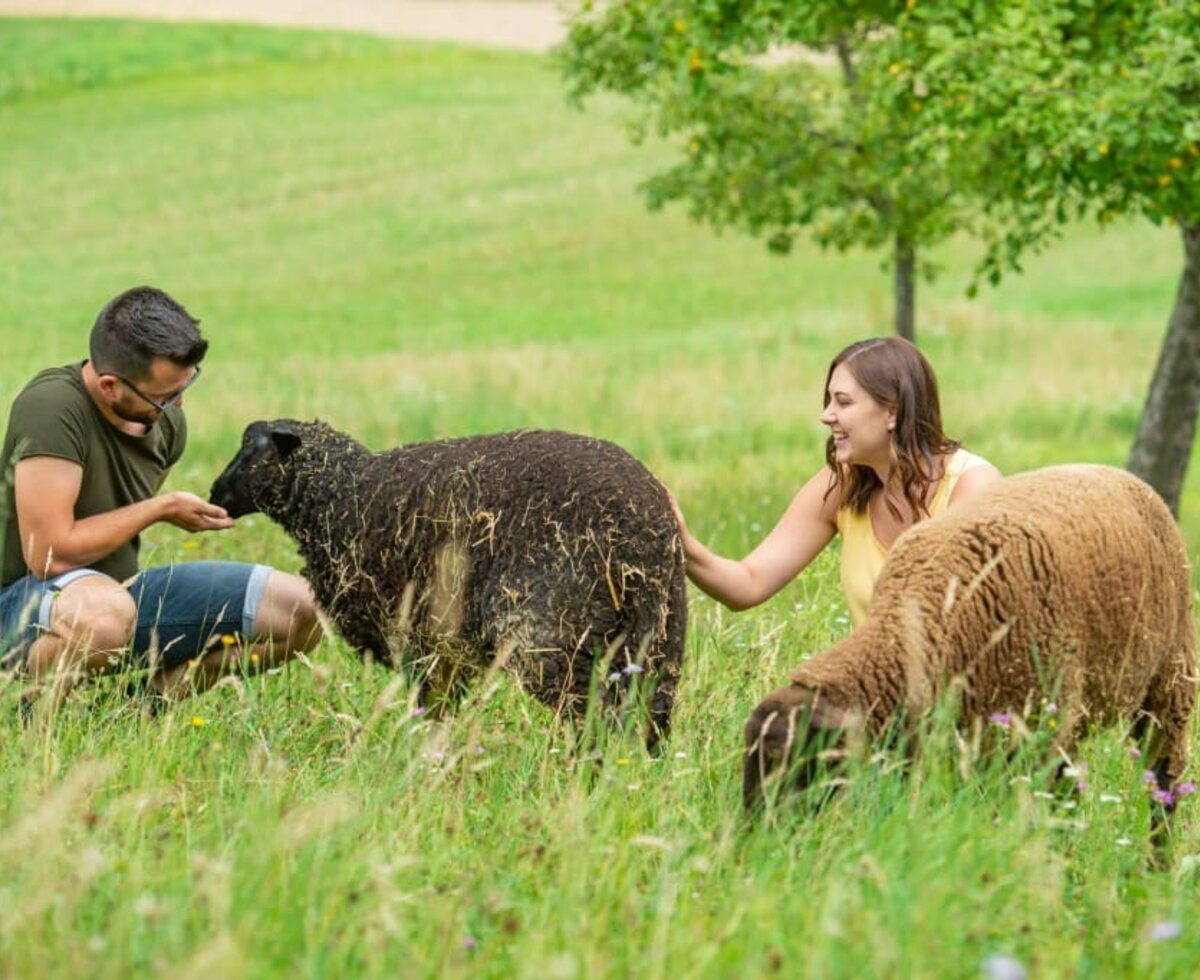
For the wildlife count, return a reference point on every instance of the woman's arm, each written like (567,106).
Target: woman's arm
(805,528)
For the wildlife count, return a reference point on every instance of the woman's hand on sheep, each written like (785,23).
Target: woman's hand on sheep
(806,527)
(683,531)
(193,513)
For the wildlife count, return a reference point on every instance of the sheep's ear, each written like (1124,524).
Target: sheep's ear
(285,438)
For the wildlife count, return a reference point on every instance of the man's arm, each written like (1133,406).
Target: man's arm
(45,489)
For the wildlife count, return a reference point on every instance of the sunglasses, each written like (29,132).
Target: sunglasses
(170,401)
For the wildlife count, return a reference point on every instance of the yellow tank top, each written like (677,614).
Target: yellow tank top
(863,555)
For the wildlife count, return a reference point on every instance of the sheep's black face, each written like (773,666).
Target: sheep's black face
(241,488)
(792,740)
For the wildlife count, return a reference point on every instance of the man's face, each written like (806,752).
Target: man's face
(144,400)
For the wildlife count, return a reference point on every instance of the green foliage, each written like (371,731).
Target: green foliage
(787,116)
(1040,111)
(1075,107)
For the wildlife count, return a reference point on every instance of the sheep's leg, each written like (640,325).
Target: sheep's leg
(665,659)
(1164,719)
(444,671)
(662,703)
(662,672)
(1162,726)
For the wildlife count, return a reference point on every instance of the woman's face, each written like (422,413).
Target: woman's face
(861,427)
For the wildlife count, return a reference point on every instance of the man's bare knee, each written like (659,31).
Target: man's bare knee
(94,614)
(287,615)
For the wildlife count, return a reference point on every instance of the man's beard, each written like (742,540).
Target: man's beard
(148,419)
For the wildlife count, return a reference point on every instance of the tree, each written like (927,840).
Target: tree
(1078,107)
(1040,112)
(771,138)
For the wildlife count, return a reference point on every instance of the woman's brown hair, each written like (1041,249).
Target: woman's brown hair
(895,374)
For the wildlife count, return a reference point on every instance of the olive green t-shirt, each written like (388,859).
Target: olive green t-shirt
(55,416)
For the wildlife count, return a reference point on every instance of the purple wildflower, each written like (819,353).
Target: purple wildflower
(1052,708)
(1149,779)
(1135,752)
(469,943)
(632,669)
(1164,796)
(1081,786)
(1164,931)
(1001,967)
(1185,789)
(1001,718)
(417,712)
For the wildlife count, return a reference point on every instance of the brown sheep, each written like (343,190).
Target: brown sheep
(1069,584)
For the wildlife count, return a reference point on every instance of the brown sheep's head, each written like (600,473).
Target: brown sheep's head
(255,476)
(796,736)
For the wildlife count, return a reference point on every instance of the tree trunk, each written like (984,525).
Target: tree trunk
(1168,425)
(906,289)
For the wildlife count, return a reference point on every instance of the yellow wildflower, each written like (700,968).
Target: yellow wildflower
(695,60)
(198,722)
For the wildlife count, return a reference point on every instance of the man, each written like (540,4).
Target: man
(87,450)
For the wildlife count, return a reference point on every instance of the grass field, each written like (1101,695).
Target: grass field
(424,241)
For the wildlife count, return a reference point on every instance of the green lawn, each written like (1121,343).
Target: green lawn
(424,241)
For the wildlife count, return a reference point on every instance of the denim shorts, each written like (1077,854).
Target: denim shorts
(182,610)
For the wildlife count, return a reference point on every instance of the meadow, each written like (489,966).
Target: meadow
(421,241)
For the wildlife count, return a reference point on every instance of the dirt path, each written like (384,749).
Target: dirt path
(529,25)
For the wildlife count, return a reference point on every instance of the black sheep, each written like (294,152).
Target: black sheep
(548,554)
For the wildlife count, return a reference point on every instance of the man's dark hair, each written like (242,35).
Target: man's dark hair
(139,325)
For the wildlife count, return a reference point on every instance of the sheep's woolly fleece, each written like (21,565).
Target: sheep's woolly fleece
(548,554)
(1068,585)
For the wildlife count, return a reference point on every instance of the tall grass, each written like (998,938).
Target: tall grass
(423,241)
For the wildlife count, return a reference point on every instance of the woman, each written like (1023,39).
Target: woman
(889,465)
